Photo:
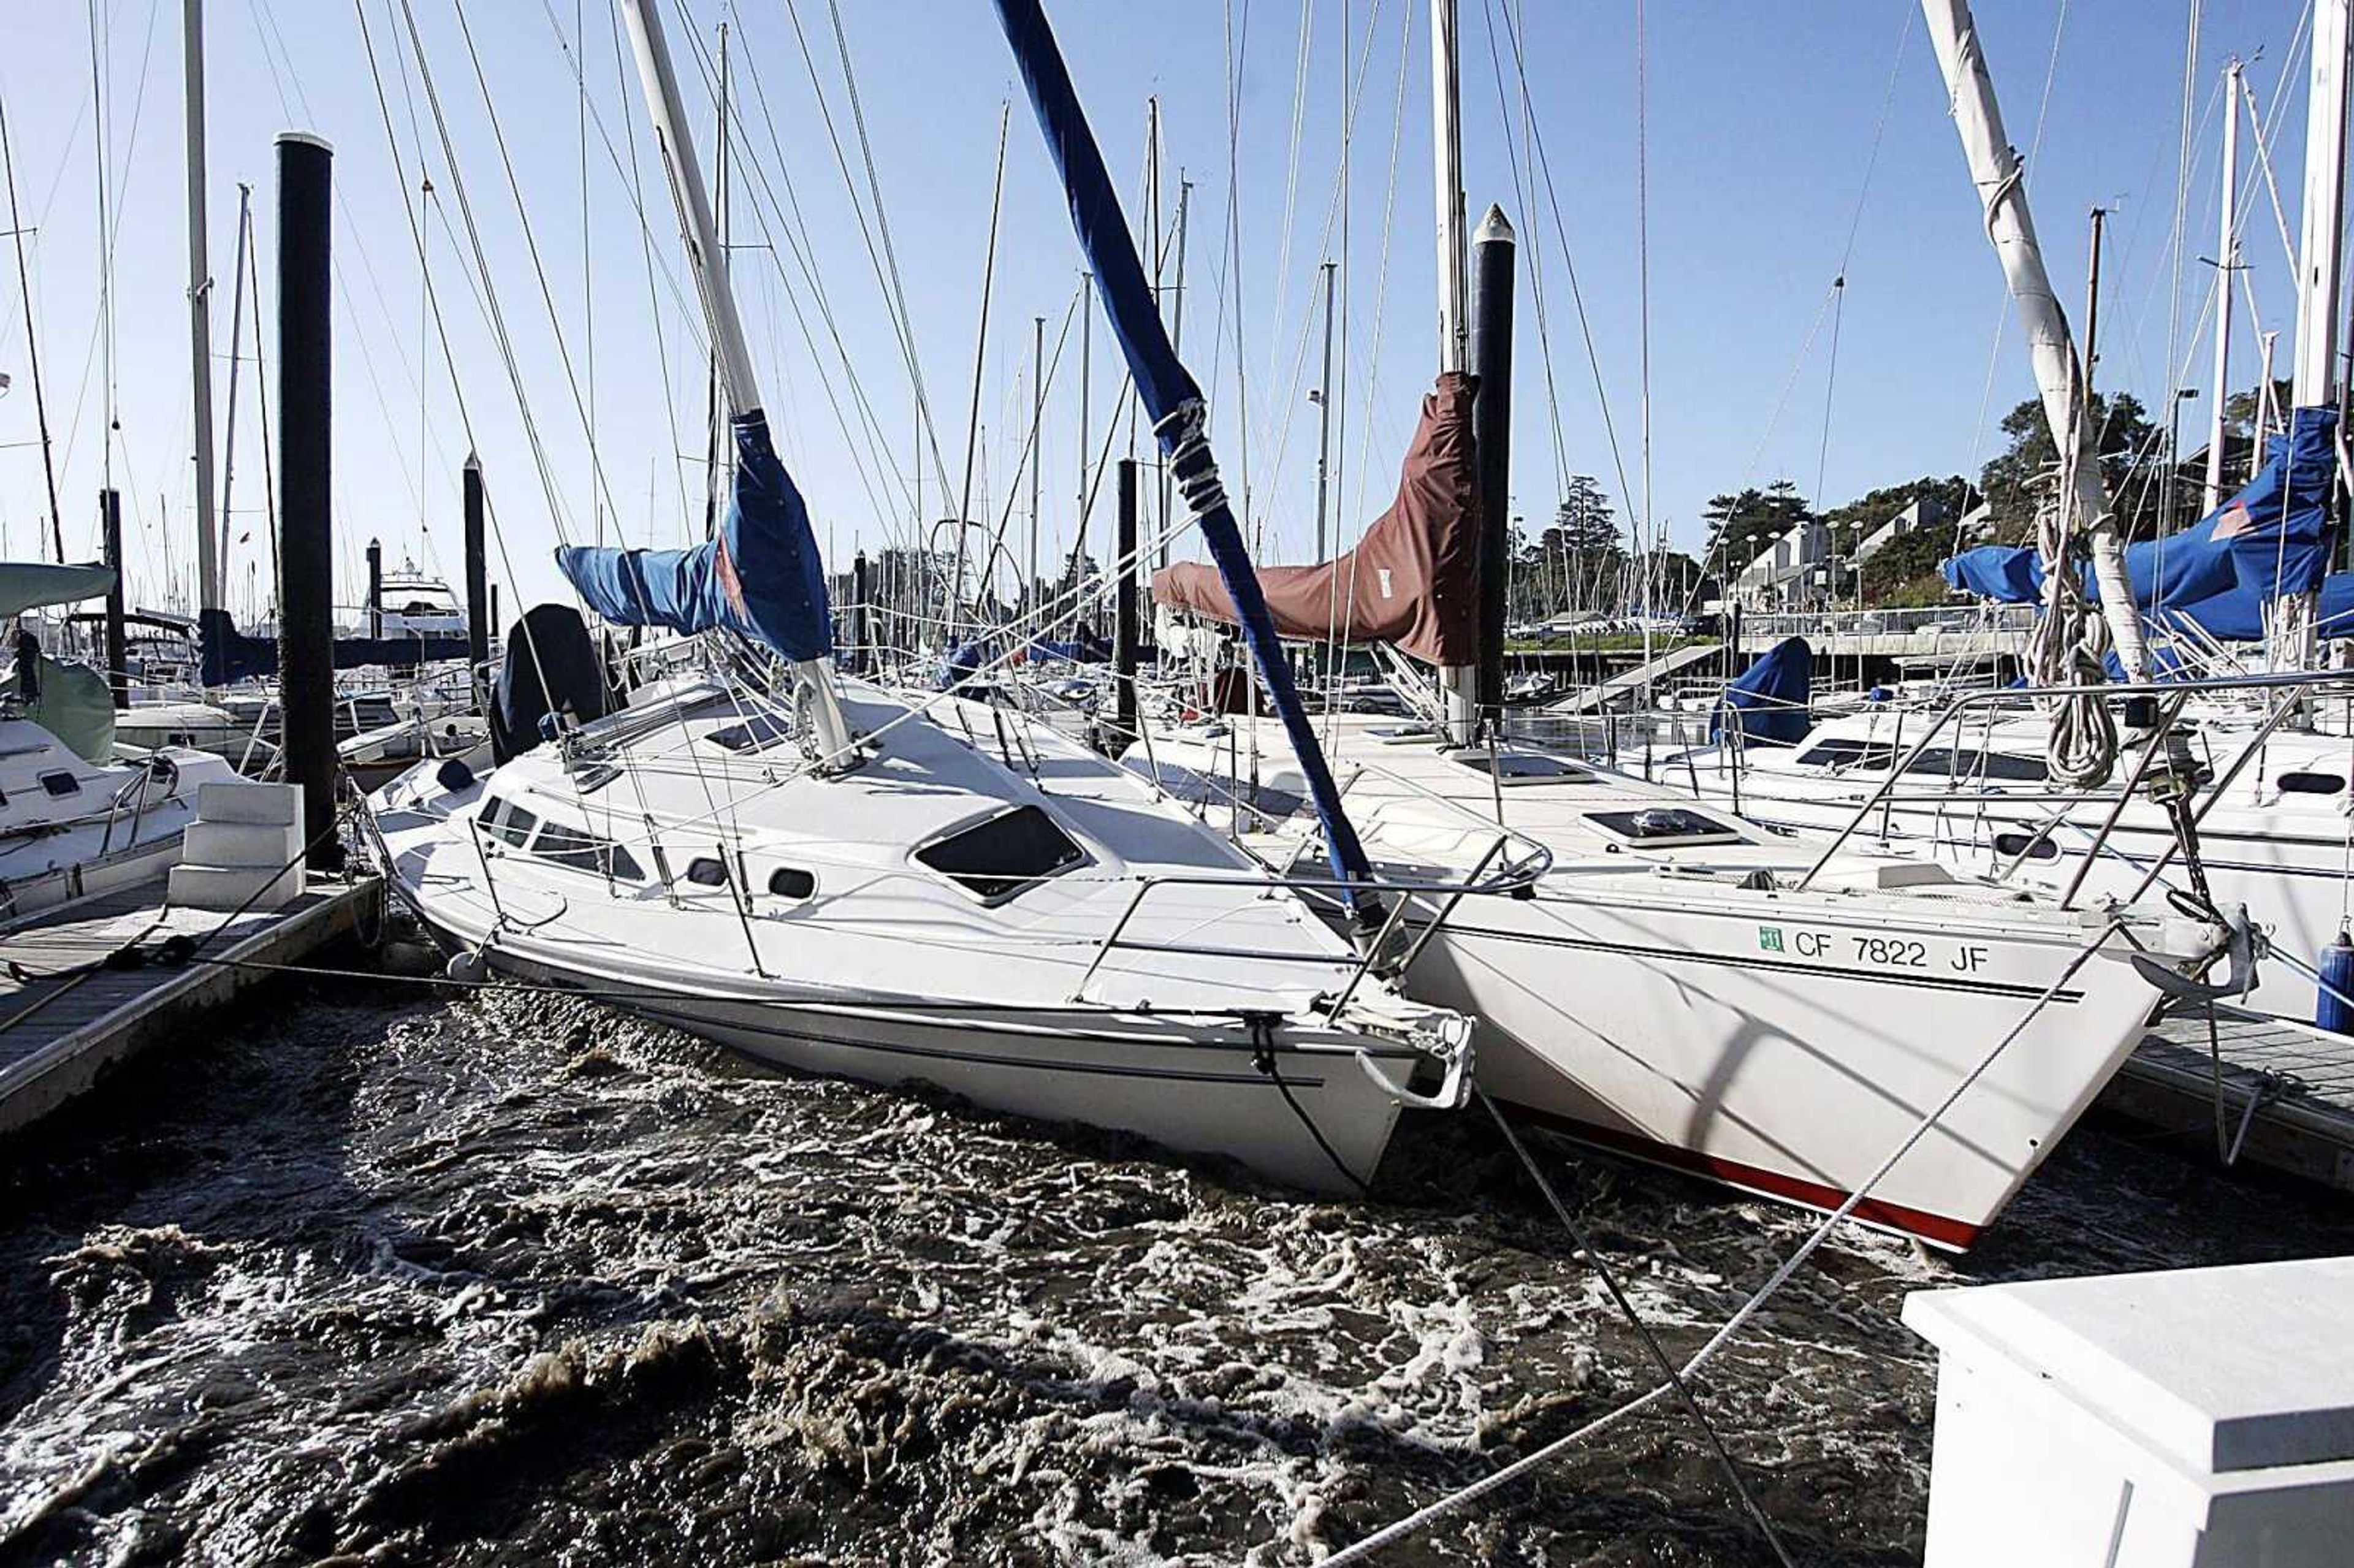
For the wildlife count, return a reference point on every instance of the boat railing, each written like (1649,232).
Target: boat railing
(1394,896)
(2287,694)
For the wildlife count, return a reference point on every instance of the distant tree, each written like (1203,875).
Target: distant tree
(1852,523)
(1740,525)
(2131,455)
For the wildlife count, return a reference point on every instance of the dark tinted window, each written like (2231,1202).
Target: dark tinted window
(1846,754)
(586,852)
(1654,822)
(1518,765)
(705,872)
(998,858)
(755,734)
(510,822)
(2311,783)
(787,881)
(1970,763)
(61,783)
(2015,844)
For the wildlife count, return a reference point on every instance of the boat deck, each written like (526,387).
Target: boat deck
(2286,1096)
(64,1023)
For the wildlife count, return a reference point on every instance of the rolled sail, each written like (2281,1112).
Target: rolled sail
(2267,540)
(760,576)
(1414,580)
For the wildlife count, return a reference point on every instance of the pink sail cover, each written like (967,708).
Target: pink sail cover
(1412,581)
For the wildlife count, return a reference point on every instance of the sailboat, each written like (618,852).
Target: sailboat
(1978,790)
(1668,981)
(833,878)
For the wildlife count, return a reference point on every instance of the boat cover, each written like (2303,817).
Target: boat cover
(550,667)
(1769,699)
(1414,580)
(73,701)
(760,576)
(2267,540)
(229,655)
(36,585)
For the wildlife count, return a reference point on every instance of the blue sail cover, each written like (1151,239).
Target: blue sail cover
(1769,699)
(760,576)
(1167,389)
(226,655)
(2266,541)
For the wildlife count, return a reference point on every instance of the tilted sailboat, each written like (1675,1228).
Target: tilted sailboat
(1674,983)
(833,878)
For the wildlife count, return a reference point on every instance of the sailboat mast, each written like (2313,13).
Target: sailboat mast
(660,83)
(32,341)
(200,336)
(714,420)
(1324,416)
(2227,264)
(2321,272)
(236,336)
(1458,683)
(1996,168)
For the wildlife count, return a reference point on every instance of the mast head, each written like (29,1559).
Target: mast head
(1495,228)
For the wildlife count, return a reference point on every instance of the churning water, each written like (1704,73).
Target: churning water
(368,1278)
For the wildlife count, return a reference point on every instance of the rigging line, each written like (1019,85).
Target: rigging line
(883,274)
(32,339)
(489,296)
(883,227)
(1234,235)
(877,447)
(588,274)
(99,122)
(1521,196)
(531,245)
(1643,294)
(1291,183)
(1569,264)
(981,362)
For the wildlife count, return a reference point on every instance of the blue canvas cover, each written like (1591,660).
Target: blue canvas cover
(2266,541)
(2239,616)
(227,655)
(760,576)
(1769,699)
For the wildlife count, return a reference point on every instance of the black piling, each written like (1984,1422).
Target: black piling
(306,586)
(376,588)
(861,645)
(1491,436)
(118,644)
(1125,611)
(482,610)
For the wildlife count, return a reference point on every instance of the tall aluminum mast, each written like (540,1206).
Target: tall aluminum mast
(1458,683)
(200,334)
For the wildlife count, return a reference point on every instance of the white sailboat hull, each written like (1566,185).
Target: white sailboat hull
(1195,1086)
(1679,1035)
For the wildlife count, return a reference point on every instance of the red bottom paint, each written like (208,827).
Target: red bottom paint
(1935,1229)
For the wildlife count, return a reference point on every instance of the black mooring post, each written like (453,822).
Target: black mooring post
(306,570)
(1492,437)
(481,609)
(860,646)
(118,645)
(376,588)
(1124,616)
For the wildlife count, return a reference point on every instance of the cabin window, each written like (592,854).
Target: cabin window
(61,783)
(2012,845)
(791,882)
(2311,783)
(1846,754)
(1970,763)
(1665,826)
(996,859)
(586,852)
(508,821)
(707,871)
(1523,767)
(757,733)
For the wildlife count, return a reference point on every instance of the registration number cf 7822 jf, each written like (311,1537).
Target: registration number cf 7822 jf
(1876,952)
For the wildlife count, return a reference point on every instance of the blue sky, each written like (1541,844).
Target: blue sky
(1762,120)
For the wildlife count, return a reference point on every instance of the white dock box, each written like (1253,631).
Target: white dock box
(2189,1418)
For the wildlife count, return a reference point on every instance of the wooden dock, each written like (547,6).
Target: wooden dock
(2286,1094)
(64,1023)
